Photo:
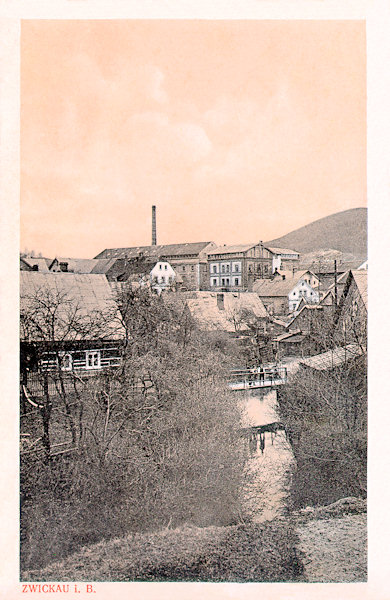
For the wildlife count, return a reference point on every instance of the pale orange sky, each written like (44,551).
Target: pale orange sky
(237,130)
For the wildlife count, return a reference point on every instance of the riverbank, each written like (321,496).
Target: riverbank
(243,553)
(333,542)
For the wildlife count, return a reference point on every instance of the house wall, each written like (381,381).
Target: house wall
(189,271)
(302,290)
(162,276)
(239,270)
(226,273)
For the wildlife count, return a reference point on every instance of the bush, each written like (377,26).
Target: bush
(246,553)
(325,415)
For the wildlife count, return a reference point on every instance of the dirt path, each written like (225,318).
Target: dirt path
(335,549)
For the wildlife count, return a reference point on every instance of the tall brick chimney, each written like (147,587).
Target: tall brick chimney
(154,230)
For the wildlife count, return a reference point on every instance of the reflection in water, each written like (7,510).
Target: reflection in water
(267,490)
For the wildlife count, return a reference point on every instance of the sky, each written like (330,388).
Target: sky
(238,131)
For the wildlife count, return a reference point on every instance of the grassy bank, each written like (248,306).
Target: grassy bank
(244,553)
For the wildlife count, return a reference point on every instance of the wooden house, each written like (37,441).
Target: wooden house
(68,322)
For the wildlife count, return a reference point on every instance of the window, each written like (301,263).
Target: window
(265,268)
(214,269)
(165,267)
(223,268)
(160,267)
(214,282)
(92,359)
(162,279)
(227,281)
(227,268)
(192,268)
(237,268)
(223,282)
(236,281)
(184,268)
(66,361)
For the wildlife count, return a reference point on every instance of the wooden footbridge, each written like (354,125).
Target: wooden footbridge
(265,376)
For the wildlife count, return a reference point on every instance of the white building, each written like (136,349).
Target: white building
(304,290)
(162,276)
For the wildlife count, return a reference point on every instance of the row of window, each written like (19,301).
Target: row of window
(226,268)
(163,279)
(226,281)
(92,360)
(191,266)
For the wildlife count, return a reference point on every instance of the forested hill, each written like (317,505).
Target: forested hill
(344,231)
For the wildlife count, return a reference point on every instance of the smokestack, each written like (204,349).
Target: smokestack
(154,232)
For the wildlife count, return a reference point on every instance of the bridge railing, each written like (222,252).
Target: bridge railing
(257,377)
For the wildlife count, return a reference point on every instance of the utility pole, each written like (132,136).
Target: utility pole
(335,282)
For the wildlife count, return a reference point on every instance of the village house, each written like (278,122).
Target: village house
(162,277)
(289,344)
(230,312)
(238,267)
(189,260)
(283,296)
(68,322)
(351,322)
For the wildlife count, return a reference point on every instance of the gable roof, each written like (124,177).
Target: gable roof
(233,249)
(305,307)
(41,263)
(85,307)
(332,358)
(295,336)
(276,287)
(205,310)
(282,250)
(176,250)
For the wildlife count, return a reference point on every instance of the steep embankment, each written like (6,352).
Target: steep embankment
(344,231)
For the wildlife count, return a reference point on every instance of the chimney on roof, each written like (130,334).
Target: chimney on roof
(154,230)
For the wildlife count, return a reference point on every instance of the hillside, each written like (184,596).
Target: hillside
(344,231)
